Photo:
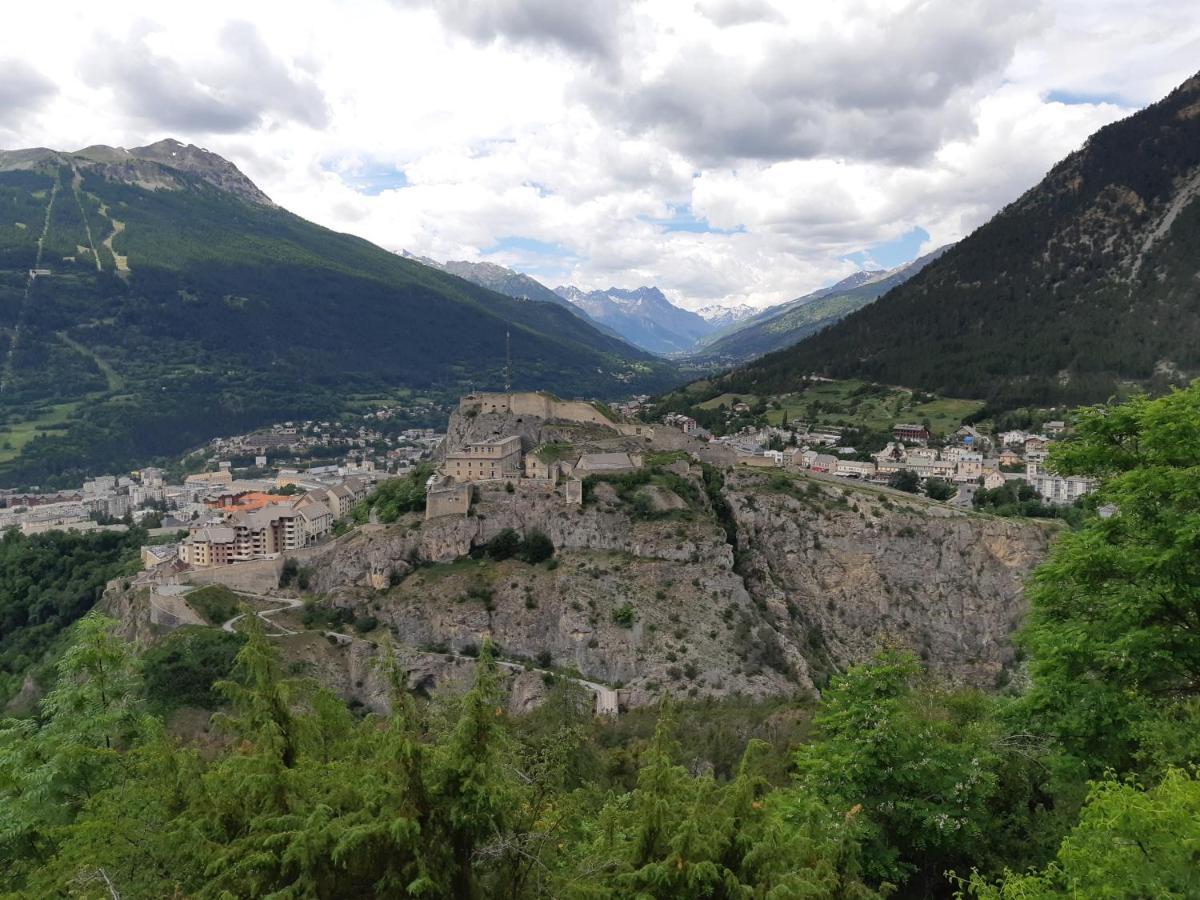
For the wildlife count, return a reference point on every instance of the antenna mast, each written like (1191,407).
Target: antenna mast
(507,361)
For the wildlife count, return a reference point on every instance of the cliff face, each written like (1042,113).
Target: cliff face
(851,571)
(804,578)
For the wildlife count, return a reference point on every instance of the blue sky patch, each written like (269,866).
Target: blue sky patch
(543,260)
(1083,98)
(374,180)
(683,219)
(891,253)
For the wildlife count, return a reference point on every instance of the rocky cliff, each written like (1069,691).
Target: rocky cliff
(765,585)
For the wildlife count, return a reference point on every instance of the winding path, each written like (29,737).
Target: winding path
(605,697)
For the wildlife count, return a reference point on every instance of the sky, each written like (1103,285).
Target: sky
(729,151)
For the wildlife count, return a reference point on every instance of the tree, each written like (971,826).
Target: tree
(939,489)
(916,761)
(1114,626)
(536,547)
(1130,842)
(49,772)
(905,480)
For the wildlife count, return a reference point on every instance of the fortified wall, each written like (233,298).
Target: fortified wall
(537,404)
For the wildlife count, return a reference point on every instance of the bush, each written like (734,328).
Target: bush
(905,480)
(625,615)
(215,603)
(939,489)
(288,573)
(536,548)
(504,545)
(363,624)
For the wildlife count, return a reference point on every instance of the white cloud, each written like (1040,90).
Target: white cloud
(726,150)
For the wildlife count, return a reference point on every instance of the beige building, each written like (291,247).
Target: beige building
(486,460)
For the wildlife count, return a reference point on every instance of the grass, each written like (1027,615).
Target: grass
(878,408)
(215,603)
(116,382)
(15,435)
(728,400)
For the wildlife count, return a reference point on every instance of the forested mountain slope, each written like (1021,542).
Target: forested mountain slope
(1087,281)
(176,301)
(786,324)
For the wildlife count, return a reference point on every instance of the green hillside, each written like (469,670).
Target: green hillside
(182,303)
(1084,286)
(787,324)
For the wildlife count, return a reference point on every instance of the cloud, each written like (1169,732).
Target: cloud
(238,87)
(727,13)
(891,86)
(587,28)
(22,87)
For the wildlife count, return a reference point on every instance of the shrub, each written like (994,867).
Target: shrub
(624,615)
(363,624)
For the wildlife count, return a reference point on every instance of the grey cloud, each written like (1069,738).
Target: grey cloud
(894,93)
(726,13)
(22,87)
(588,28)
(243,85)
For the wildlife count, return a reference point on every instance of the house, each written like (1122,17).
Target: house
(969,467)
(208,545)
(910,434)
(992,479)
(824,462)
(1011,458)
(853,468)
(967,436)
(1035,443)
(1013,438)
(209,479)
(1055,427)
(318,519)
(495,459)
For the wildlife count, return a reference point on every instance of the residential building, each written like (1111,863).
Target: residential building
(910,434)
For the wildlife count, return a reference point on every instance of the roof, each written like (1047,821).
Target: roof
(213,534)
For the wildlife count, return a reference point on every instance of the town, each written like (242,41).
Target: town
(253,498)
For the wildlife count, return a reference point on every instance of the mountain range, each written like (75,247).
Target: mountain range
(1085,286)
(643,316)
(783,325)
(153,297)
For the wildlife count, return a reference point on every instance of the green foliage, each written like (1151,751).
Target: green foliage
(216,603)
(625,615)
(1130,842)
(47,582)
(1113,628)
(395,497)
(1018,498)
(182,669)
(939,489)
(905,480)
(534,548)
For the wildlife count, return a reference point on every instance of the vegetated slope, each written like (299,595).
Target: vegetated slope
(784,325)
(1087,281)
(183,303)
(643,316)
(511,283)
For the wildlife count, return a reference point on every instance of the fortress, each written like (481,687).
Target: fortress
(538,404)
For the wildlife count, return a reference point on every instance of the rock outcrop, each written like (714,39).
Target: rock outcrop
(795,578)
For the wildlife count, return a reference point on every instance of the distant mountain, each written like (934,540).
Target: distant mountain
(174,301)
(783,325)
(724,316)
(509,282)
(642,316)
(1087,282)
